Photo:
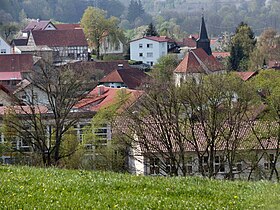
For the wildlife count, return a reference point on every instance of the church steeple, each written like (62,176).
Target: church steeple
(203,40)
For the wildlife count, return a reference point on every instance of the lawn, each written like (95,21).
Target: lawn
(36,188)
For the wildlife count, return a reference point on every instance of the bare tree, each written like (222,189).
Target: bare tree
(204,118)
(44,124)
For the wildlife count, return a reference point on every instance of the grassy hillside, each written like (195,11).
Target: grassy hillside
(31,188)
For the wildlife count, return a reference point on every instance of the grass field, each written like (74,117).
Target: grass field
(33,188)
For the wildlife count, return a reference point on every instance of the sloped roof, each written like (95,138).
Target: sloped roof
(23,109)
(36,25)
(105,66)
(16,62)
(131,77)
(221,54)
(66,26)
(196,60)
(156,38)
(246,75)
(189,42)
(20,42)
(10,76)
(60,38)
(102,97)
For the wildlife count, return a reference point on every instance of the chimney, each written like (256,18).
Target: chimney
(100,89)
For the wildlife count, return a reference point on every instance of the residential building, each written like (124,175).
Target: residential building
(28,93)
(67,41)
(146,156)
(15,67)
(5,48)
(124,77)
(108,47)
(150,48)
(37,25)
(66,44)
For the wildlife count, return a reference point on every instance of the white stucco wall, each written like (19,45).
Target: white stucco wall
(4,47)
(158,49)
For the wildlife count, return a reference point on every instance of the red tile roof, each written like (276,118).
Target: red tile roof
(192,62)
(156,38)
(105,66)
(36,25)
(60,38)
(131,77)
(246,75)
(68,26)
(10,76)
(16,63)
(189,42)
(102,97)
(221,54)
(22,109)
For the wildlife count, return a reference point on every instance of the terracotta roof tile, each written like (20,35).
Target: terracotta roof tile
(105,66)
(131,77)
(102,97)
(246,75)
(156,38)
(68,26)
(10,76)
(16,63)
(189,42)
(192,62)
(36,25)
(60,38)
(221,54)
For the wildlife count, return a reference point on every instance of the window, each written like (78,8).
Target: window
(168,166)
(205,163)
(140,54)
(219,165)
(268,164)
(3,51)
(140,45)
(150,55)
(189,165)
(154,166)
(149,45)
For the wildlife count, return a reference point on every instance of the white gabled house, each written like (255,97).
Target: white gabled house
(5,48)
(150,48)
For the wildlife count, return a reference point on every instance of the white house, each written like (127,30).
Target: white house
(109,48)
(150,48)
(5,48)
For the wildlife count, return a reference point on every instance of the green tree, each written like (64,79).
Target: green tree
(151,30)
(163,70)
(266,49)
(267,83)
(96,26)
(243,43)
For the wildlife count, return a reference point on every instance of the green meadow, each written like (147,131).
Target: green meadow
(38,188)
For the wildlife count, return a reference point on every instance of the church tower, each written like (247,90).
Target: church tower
(203,40)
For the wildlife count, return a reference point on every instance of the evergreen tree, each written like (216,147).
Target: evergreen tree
(135,10)
(243,43)
(151,30)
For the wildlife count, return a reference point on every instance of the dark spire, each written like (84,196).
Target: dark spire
(203,40)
